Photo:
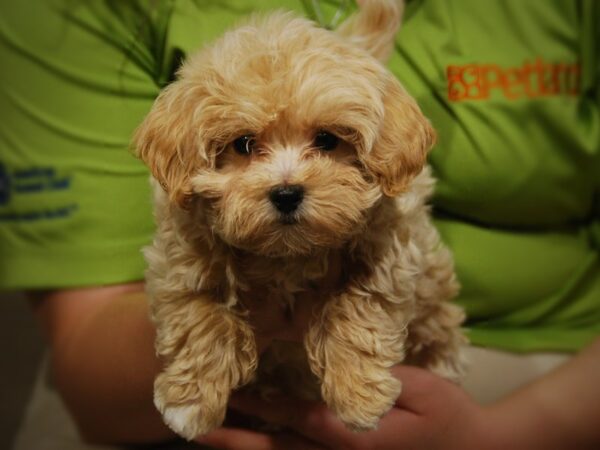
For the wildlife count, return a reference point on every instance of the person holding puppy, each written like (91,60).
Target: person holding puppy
(526,248)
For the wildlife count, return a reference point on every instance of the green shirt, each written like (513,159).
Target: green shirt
(511,86)
(513,89)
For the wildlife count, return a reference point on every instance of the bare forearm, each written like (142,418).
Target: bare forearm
(104,363)
(558,411)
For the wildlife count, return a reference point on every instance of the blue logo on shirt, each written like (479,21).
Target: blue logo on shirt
(4,186)
(24,183)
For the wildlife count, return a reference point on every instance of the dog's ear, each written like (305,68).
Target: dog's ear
(374,26)
(169,143)
(405,137)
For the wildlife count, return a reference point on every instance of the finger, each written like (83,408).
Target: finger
(237,438)
(310,419)
(240,439)
(419,388)
(417,384)
(397,430)
(314,420)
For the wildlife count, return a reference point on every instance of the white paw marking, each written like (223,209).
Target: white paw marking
(182,419)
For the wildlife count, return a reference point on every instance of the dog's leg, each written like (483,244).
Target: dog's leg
(351,348)
(436,341)
(435,337)
(208,351)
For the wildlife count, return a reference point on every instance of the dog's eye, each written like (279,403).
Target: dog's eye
(326,141)
(244,144)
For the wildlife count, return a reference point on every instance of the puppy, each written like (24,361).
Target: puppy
(290,164)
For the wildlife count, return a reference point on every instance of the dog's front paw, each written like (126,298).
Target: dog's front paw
(359,401)
(184,420)
(198,414)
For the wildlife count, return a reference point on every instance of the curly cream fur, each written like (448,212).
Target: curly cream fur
(361,242)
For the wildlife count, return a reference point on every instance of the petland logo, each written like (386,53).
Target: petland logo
(530,80)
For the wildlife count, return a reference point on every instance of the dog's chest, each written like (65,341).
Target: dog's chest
(284,283)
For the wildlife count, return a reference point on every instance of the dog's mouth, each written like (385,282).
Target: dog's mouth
(288,219)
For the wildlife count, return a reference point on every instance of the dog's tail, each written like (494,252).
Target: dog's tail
(374,26)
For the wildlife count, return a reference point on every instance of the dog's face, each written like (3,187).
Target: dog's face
(285,135)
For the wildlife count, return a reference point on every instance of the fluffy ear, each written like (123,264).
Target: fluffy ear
(374,26)
(169,143)
(405,136)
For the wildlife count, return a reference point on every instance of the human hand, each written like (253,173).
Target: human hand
(431,413)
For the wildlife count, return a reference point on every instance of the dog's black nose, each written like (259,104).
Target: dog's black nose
(287,198)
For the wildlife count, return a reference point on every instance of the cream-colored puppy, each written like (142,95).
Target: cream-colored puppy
(291,164)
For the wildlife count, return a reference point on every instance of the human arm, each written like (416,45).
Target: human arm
(103,360)
(558,411)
